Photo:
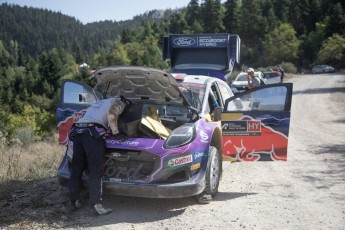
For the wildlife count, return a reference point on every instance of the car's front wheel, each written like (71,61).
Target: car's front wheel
(213,173)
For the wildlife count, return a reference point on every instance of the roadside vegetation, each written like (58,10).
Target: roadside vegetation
(21,163)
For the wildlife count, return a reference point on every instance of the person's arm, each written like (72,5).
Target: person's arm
(113,114)
(250,85)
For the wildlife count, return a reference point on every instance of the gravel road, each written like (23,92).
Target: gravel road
(306,192)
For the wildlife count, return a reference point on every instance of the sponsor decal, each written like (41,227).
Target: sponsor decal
(211,41)
(115,154)
(115,180)
(130,143)
(196,166)
(67,121)
(241,128)
(113,170)
(199,154)
(180,160)
(204,137)
(240,145)
(184,41)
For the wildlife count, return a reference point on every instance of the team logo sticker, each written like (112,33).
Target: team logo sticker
(180,161)
(184,41)
(195,166)
(204,137)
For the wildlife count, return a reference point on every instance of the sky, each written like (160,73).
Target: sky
(92,11)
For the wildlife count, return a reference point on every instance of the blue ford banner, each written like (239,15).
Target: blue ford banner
(194,41)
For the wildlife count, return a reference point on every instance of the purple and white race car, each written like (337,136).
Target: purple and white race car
(177,127)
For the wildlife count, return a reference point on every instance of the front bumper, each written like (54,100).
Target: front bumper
(191,187)
(175,190)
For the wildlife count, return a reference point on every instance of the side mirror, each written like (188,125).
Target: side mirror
(217,114)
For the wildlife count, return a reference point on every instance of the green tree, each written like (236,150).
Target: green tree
(193,12)
(126,36)
(269,16)
(51,70)
(281,9)
(79,59)
(282,45)
(152,55)
(135,52)
(211,14)
(197,28)
(312,44)
(38,120)
(232,15)
(336,20)
(178,24)
(252,25)
(333,50)
(120,55)
(5,58)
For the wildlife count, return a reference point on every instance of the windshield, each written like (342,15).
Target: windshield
(169,113)
(194,93)
(242,77)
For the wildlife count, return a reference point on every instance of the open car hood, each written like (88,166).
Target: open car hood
(139,83)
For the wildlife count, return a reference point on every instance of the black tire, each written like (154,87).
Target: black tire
(213,175)
(213,171)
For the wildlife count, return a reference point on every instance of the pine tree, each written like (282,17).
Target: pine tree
(336,20)
(231,18)
(212,17)
(193,12)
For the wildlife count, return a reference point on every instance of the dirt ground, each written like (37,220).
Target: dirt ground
(306,192)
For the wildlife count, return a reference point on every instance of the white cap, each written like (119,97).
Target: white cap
(250,70)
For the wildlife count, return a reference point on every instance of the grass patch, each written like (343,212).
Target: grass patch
(20,164)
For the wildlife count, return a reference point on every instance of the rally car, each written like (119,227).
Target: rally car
(179,129)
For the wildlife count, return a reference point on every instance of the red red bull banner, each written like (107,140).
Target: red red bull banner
(249,139)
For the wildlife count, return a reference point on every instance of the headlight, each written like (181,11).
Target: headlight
(180,136)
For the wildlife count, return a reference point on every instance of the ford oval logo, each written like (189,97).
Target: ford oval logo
(184,41)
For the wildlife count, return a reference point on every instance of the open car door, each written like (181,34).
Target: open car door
(255,124)
(272,77)
(75,98)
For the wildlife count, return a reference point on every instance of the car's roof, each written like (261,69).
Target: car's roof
(139,83)
(195,79)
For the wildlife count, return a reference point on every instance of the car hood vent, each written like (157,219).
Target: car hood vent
(139,83)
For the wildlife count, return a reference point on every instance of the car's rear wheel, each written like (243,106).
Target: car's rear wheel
(213,173)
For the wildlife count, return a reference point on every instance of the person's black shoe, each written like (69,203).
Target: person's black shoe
(98,209)
(74,206)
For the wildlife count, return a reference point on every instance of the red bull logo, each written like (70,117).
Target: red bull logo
(250,140)
(65,126)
